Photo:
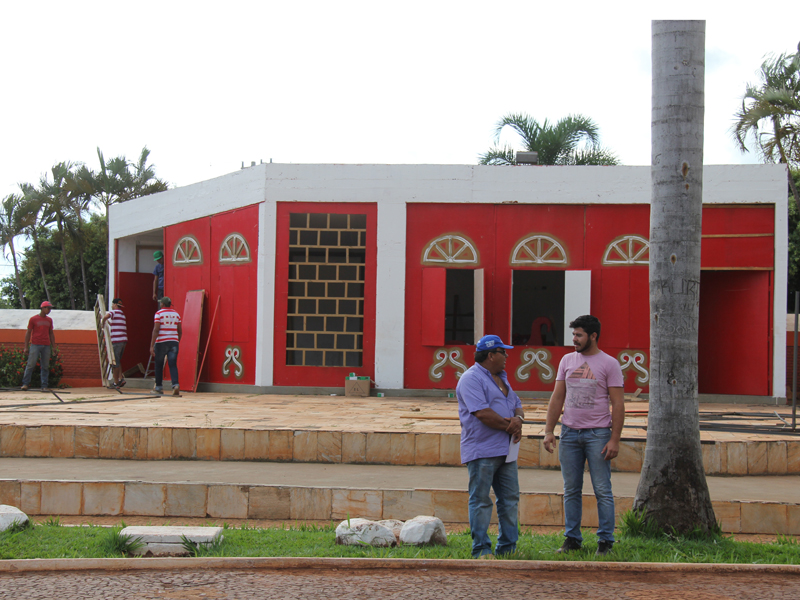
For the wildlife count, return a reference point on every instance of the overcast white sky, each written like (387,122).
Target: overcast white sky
(207,85)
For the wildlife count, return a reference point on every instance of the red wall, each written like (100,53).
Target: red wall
(737,239)
(234,284)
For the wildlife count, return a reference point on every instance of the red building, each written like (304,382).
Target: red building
(394,271)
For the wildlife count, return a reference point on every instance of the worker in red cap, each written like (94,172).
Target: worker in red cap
(39,340)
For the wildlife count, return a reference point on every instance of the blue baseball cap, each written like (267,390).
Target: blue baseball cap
(491,342)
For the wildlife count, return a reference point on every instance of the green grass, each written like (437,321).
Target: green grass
(301,539)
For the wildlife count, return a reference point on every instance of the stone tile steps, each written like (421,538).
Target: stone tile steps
(274,491)
(734,456)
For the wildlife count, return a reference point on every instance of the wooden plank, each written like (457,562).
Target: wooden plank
(104,349)
(192,322)
(208,341)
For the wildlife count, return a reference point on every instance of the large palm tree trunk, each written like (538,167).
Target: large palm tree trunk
(672,488)
(16,274)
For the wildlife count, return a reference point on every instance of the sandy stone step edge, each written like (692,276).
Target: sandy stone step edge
(367,564)
(299,503)
(734,457)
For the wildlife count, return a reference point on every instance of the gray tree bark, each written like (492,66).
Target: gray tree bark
(672,489)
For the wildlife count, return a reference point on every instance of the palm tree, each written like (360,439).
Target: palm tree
(56,195)
(672,490)
(80,190)
(35,216)
(119,181)
(573,140)
(770,114)
(12,224)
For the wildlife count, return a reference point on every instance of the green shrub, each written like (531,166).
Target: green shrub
(12,367)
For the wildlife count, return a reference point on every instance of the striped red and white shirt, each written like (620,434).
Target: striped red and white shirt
(169,319)
(119,329)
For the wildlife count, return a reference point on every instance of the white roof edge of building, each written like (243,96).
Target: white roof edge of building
(403,184)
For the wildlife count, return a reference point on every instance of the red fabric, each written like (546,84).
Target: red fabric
(40,327)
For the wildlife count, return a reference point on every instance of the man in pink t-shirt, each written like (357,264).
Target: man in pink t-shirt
(588,382)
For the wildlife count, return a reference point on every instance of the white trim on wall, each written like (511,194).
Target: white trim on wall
(577,299)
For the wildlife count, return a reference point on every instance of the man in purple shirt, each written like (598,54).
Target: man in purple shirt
(491,416)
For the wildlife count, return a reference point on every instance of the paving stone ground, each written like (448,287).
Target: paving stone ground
(308,584)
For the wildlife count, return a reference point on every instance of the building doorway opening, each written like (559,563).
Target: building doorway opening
(537,308)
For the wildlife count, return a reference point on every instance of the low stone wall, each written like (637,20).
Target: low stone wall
(76,339)
(778,457)
(230,501)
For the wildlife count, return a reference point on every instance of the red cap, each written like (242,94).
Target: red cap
(46,304)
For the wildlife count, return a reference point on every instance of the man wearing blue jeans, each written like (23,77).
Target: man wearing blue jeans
(167,332)
(39,340)
(491,416)
(588,381)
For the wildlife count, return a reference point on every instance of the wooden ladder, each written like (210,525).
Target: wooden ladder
(104,348)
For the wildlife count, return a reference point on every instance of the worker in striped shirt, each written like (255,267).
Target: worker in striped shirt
(119,337)
(166,337)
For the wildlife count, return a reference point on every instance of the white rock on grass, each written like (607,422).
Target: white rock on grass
(356,532)
(10,515)
(394,525)
(423,530)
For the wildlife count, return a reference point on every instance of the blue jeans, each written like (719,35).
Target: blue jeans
(575,448)
(170,350)
(33,355)
(495,473)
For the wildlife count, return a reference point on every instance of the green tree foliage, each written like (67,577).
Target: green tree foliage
(769,122)
(573,140)
(93,246)
(770,114)
(57,213)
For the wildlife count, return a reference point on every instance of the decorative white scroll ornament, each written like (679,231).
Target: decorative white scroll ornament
(444,356)
(627,250)
(451,248)
(232,354)
(638,362)
(540,359)
(539,250)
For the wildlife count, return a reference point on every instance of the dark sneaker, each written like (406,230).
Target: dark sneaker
(604,547)
(122,383)
(569,545)
(157,391)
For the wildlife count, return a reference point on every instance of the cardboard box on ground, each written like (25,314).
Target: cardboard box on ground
(356,386)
